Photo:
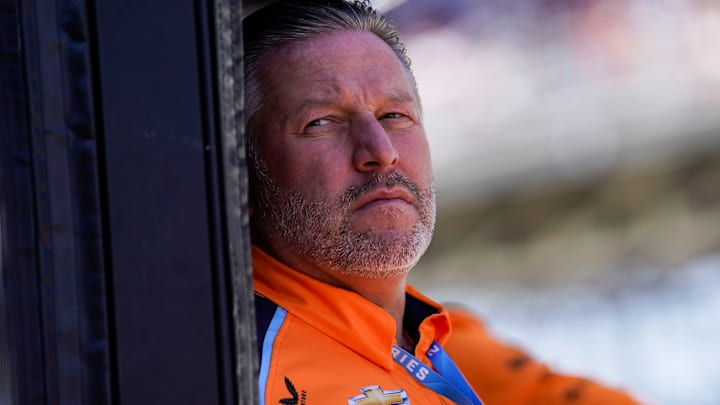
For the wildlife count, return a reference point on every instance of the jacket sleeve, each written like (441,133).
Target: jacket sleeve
(504,375)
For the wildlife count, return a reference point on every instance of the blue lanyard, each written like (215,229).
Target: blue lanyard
(447,381)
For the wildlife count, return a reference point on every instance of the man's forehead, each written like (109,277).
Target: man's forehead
(310,101)
(320,98)
(323,51)
(329,64)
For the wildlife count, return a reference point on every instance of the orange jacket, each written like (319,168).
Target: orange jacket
(502,374)
(319,344)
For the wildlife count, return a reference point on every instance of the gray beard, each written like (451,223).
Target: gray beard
(319,231)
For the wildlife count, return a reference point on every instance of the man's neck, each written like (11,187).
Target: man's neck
(388,294)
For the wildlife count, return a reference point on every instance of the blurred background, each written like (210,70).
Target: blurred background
(576,149)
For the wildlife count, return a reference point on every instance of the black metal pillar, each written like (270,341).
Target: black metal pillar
(123,222)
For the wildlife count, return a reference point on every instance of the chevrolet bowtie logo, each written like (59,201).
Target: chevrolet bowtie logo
(374,395)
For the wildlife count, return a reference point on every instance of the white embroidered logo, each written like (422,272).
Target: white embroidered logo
(374,395)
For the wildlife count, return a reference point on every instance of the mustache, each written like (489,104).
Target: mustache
(380,180)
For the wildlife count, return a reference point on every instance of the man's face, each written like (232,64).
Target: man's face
(345,181)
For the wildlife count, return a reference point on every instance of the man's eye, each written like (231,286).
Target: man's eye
(318,123)
(396,121)
(393,115)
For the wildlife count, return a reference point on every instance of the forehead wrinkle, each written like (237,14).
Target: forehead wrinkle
(336,87)
(400,96)
(341,96)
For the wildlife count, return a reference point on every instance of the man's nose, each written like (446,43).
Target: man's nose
(373,146)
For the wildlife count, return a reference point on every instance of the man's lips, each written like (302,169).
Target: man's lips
(385,195)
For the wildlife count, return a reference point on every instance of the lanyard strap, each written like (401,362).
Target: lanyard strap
(447,381)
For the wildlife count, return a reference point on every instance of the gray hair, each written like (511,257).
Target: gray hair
(289,21)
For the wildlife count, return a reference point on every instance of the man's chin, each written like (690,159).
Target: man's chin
(377,269)
(391,236)
(384,254)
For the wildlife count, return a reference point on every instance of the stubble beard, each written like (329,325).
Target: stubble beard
(320,232)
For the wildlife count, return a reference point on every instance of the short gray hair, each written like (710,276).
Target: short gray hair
(289,21)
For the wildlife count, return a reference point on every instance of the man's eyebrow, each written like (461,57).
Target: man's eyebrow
(309,102)
(315,101)
(400,96)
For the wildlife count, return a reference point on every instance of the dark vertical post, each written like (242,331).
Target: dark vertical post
(123,204)
(228,14)
(54,270)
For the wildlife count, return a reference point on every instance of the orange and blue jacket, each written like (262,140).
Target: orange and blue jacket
(319,345)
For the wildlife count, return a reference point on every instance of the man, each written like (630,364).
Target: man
(342,207)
